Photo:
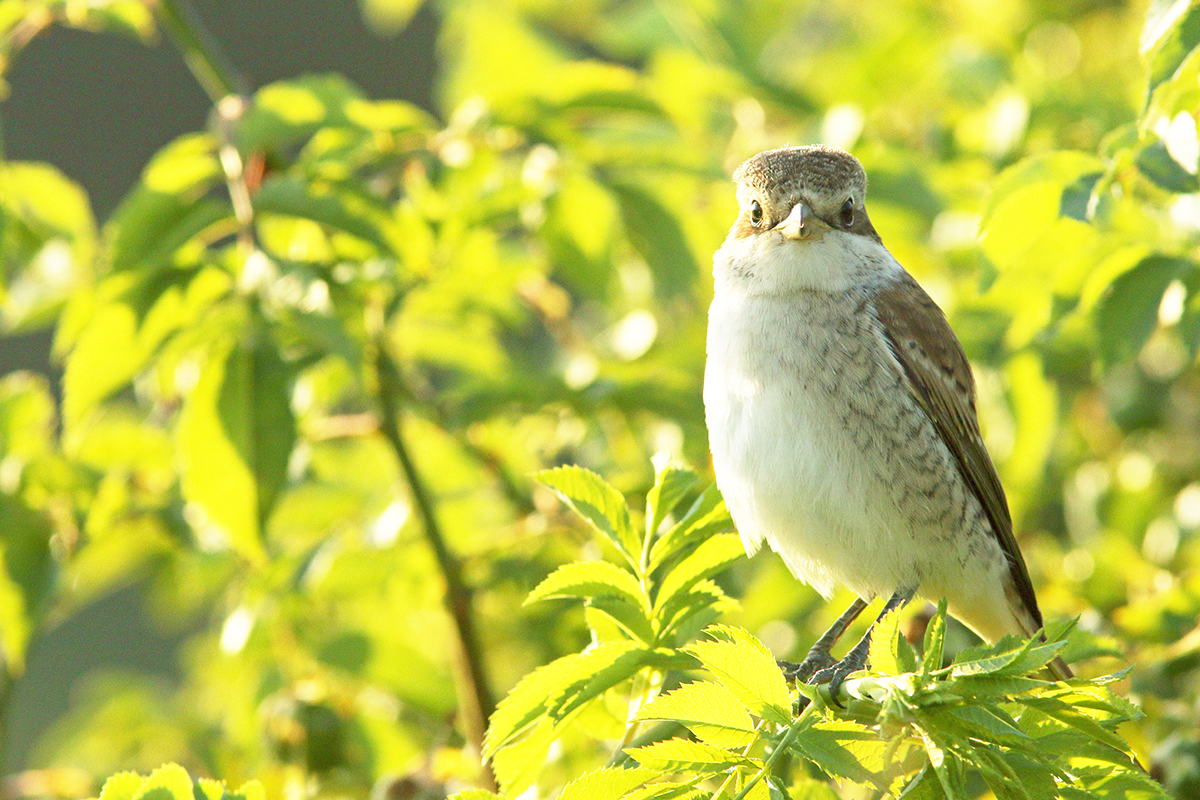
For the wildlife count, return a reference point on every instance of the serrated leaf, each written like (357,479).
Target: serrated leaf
(169,780)
(608,783)
(713,556)
(683,755)
(547,685)
(702,598)
(890,652)
(597,502)
(518,764)
(935,638)
(250,790)
(121,786)
(629,618)
(666,791)
(591,579)
(235,437)
(619,670)
(1067,715)
(844,749)
(746,668)
(671,483)
(709,710)
(707,516)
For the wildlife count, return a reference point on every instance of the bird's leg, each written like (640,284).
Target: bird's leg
(818,657)
(856,659)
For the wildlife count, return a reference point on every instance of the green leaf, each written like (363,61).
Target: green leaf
(133,316)
(335,206)
(169,782)
(935,637)
(47,243)
(682,755)
(1127,312)
(709,710)
(667,790)
(591,579)
(1173,32)
(607,784)
(235,437)
(704,597)
(707,516)
(547,687)
(389,17)
(164,211)
(890,652)
(656,234)
(671,483)
(844,749)
(518,764)
(476,794)
(629,617)
(712,557)
(746,668)
(1157,164)
(287,111)
(598,503)
(121,786)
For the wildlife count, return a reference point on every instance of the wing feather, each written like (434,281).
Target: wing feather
(940,379)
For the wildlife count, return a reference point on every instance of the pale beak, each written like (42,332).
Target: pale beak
(801,223)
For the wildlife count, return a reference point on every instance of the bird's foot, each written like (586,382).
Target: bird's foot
(813,663)
(835,674)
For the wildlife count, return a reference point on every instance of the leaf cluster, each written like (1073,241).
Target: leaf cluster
(909,727)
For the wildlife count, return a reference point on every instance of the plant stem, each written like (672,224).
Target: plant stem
(475,698)
(214,72)
(781,748)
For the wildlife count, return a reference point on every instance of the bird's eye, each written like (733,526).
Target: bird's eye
(755,212)
(846,215)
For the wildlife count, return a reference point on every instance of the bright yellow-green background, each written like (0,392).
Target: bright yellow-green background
(535,258)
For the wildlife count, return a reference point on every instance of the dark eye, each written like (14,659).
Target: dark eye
(846,215)
(755,212)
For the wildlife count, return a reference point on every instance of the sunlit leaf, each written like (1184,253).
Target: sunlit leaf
(708,709)
(710,558)
(235,437)
(1128,311)
(598,503)
(606,784)
(591,579)
(163,212)
(681,755)
(746,668)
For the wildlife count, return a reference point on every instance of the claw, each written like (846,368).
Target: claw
(836,674)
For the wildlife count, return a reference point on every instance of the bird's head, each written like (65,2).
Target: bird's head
(802,222)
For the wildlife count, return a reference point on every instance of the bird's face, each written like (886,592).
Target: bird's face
(802,224)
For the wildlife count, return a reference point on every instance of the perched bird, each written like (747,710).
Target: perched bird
(841,412)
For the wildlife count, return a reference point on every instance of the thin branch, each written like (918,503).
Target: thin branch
(475,698)
(214,72)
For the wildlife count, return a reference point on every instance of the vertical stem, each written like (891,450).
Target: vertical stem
(214,72)
(475,698)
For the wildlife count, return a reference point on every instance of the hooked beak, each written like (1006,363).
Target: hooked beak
(801,224)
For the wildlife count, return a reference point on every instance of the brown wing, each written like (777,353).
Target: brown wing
(941,380)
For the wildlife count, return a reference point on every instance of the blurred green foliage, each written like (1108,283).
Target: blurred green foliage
(314,359)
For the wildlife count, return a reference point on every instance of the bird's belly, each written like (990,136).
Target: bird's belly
(821,452)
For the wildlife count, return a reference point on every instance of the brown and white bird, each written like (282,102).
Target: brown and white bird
(841,412)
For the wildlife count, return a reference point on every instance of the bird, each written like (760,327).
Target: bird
(841,413)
